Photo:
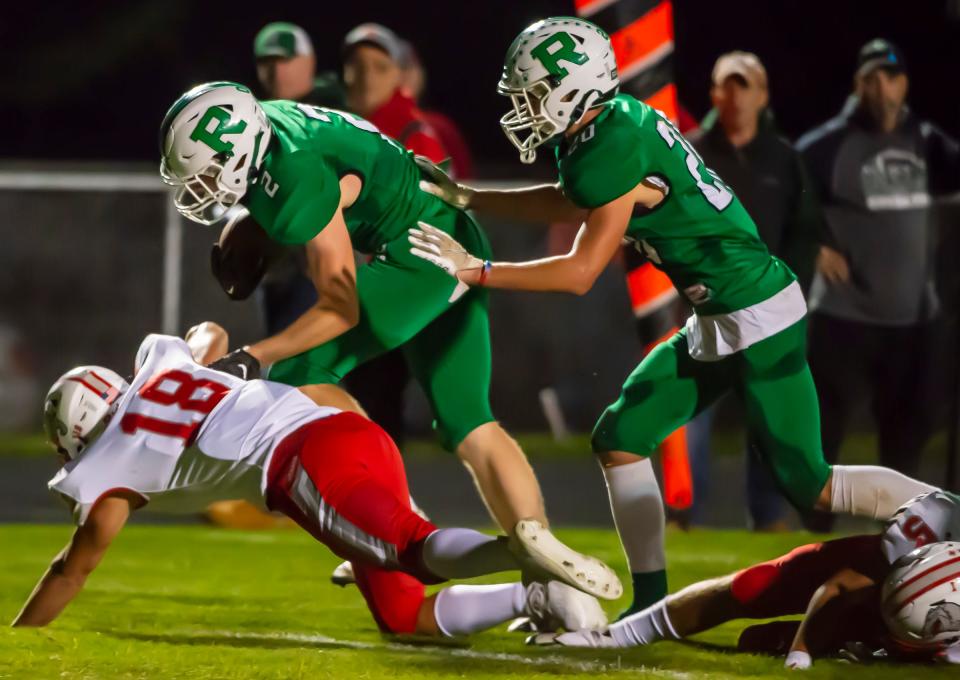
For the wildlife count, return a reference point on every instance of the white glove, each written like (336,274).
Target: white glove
(798,661)
(441,185)
(441,249)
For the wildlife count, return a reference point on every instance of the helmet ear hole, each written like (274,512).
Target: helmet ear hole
(570,96)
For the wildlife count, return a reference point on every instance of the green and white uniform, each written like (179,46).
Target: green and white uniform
(404,301)
(747,332)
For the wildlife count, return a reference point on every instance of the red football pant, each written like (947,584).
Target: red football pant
(784,585)
(341,479)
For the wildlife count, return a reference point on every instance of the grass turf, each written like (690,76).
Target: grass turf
(199,602)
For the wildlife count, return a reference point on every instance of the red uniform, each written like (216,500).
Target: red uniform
(341,479)
(784,585)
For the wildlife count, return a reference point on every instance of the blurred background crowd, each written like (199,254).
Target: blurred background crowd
(835,123)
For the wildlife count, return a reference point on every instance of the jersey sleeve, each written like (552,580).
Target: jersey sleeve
(81,497)
(929,518)
(311,204)
(605,167)
(156,342)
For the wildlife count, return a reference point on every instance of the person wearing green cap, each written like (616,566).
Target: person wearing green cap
(286,67)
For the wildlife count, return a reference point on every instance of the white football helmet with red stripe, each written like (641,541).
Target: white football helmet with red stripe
(78,407)
(921,597)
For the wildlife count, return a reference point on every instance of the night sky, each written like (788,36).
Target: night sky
(91,83)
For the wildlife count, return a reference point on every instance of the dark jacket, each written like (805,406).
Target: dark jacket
(876,189)
(769,178)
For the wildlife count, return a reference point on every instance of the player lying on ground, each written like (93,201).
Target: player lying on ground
(629,173)
(836,585)
(329,181)
(181,435)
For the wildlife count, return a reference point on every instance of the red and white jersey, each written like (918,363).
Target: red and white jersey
(184,436)
(931,517)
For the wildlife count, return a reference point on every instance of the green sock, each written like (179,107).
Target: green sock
(648,588)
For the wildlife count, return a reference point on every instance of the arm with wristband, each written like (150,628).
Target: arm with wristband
(575,272)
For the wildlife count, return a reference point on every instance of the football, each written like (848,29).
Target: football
(241,256)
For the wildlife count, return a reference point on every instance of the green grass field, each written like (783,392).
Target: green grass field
(199,602)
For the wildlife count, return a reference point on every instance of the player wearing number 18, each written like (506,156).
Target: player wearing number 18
(180,435)
(626,170)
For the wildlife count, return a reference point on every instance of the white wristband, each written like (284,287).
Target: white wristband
(798,661)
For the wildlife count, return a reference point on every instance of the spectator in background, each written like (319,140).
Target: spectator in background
(874,304)
(372,74)
(739,140)
(414,82)
(286,67)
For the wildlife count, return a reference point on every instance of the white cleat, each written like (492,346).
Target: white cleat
(595,639)
(522,624)
(554,605)
(343,575)
(536,546)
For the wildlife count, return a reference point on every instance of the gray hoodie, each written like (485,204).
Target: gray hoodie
(876,190)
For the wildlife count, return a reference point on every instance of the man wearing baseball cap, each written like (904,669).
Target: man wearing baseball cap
(286,67)
(739,140)
(372,59)
(876,168)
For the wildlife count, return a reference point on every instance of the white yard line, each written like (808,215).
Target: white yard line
(536,660)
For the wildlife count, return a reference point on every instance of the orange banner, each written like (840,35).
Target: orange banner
(640,39)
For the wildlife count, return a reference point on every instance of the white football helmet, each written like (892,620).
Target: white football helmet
(554,72)
(212,143)
(921,597)
(78,407)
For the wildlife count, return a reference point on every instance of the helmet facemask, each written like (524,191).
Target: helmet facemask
(203,197)
(530,114)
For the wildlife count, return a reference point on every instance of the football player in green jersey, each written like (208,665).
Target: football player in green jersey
(628,173)
(332,183)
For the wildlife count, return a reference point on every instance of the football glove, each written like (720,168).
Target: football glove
(239,363)
(439,248)
(437,182)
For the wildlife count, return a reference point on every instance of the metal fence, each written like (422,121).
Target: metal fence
(95,259)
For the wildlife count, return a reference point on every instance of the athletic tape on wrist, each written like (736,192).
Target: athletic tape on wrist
(487,266)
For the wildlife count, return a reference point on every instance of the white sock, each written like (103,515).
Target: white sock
(461,610)
(872,491)
(642,628)
(637,509)
(464,553)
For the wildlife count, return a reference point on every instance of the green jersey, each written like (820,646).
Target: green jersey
(700,235)
(298,190)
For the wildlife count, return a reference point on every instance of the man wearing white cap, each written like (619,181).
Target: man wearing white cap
(738,139)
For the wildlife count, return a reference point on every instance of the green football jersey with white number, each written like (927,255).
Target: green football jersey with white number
(700,235)
(298,190)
